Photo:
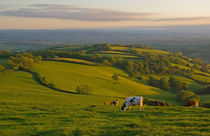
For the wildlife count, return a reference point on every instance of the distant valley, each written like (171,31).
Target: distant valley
(193,41)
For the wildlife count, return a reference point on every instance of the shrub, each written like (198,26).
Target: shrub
(22,61)
(177,84)
(164,84)
(154,82)
(206,104)
(115,77)
(106,62)
(83,89)
(185,96)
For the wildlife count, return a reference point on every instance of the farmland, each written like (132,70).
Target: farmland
(29,107)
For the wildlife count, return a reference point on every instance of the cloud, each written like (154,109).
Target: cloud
(75,13)
(2,7)
(183,19)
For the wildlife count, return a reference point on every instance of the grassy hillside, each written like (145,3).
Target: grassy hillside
(68,76)
(28,108)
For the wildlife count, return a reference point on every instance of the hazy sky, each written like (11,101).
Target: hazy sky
(61,14)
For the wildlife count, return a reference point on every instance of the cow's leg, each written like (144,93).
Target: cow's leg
(129,107)
(141,105)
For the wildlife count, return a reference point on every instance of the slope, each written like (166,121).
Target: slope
(68,76)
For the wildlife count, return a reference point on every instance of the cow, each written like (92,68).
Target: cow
(193,103)
(130,101)
(160,103)
(114,102)
(106,103)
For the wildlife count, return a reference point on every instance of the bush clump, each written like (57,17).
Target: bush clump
(185,96)
(83,89)
(22,61)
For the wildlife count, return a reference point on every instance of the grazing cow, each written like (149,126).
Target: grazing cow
(114,102)
(130,101)
(193,103)
(160,103)
(106,103)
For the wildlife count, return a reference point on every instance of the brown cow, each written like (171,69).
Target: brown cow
(106,103)
(193,103)
(160,103)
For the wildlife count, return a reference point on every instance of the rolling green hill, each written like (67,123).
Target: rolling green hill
(67,76)
(28,107)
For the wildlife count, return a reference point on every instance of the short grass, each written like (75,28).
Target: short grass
(151,51)
(114,52)
(77,61)
(68,76)
(27,108)
(204,98)
(124,56)
(201,78)
(119,48)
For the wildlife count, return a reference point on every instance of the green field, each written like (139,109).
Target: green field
(27,108)
(152,51)
(68,76)
(124,56)
(77,61)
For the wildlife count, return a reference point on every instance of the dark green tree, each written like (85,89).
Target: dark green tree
(164,84)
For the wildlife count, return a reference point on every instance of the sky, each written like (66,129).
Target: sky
(68,14)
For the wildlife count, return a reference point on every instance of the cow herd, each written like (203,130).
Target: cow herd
(139,100)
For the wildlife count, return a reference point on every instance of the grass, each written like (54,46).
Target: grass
(27,108)
(201,78)
(115,52)
(68,76)
(196,86)
(77,61)
(121,55)
(152,51)
(119,48)
(204,98)
(187,68)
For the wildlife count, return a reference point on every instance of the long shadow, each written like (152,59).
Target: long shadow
(68,61)
(35,77)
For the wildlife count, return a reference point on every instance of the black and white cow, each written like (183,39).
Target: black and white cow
(114,102)
(130,101)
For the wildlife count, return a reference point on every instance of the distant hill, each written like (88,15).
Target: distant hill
(193,41)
